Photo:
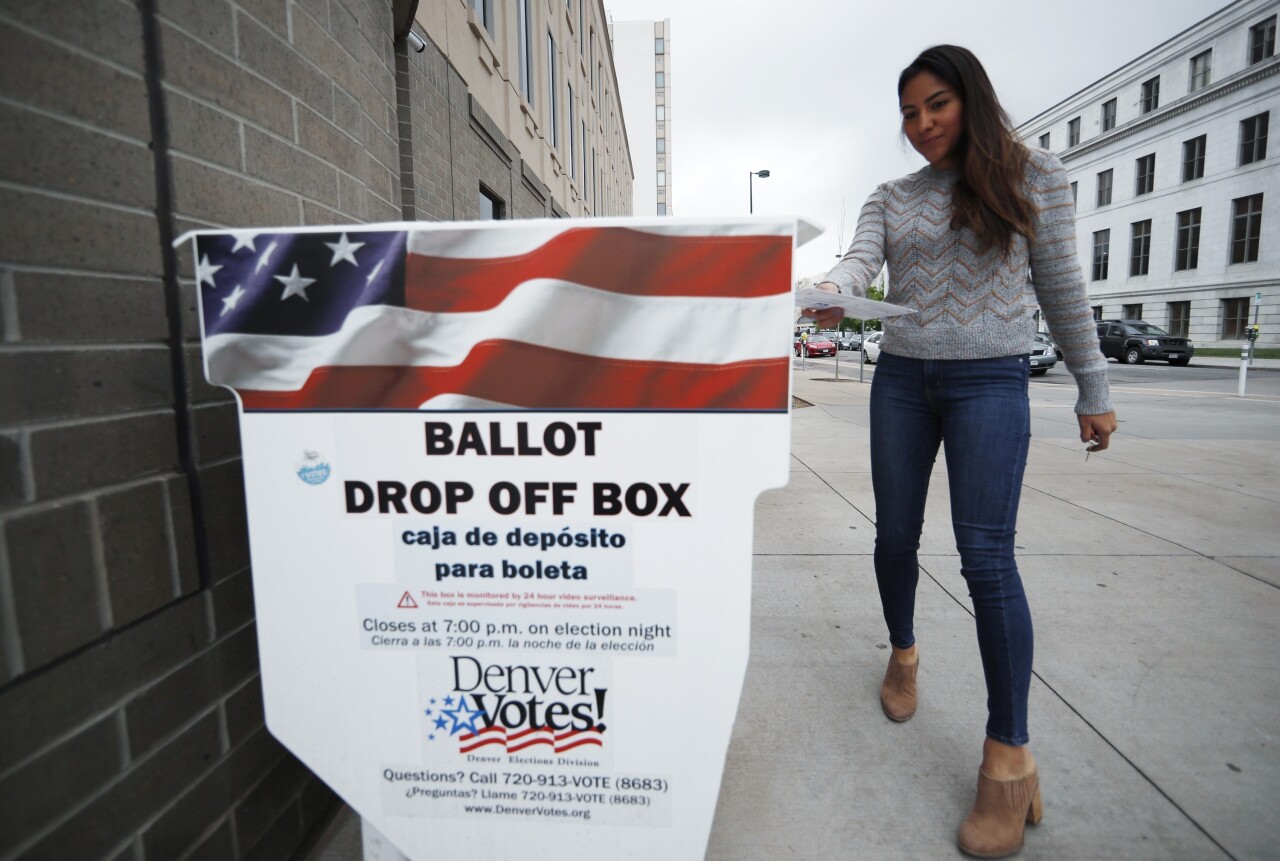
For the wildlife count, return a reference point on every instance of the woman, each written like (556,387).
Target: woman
(959,237)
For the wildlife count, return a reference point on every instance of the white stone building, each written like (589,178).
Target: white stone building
(1177,190)
(642,53)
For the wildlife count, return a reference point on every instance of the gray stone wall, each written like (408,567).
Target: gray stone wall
(131,722)
(452,147)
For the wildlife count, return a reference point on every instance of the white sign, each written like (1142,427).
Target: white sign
(500,483)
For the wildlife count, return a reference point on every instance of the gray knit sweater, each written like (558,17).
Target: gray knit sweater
(972,305)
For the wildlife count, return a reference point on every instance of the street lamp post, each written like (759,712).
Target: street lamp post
(751,175)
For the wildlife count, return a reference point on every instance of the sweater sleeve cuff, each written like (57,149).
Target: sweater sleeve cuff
(843,280)
(1095,394)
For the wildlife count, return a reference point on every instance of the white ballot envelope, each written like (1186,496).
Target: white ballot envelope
(854,306)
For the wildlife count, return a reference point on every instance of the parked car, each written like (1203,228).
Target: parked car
(1134,341)
(1042,358)
(1047,339)
(818,345)
(871,347)
(849,341)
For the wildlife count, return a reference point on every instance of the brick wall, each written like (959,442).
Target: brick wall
(131,723)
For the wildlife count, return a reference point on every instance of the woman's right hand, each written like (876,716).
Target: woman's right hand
(828,318)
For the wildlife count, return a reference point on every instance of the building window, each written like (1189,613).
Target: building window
(484,11)
(1200,68)
(1109,115)
(659,45)
(553,91)
(662,179)
(525,40)
(491,206)
(1073,132)
(661,113)
(1179,319)
(1075,200)
(1097,312)
(662,144)
(662,209)
(660,79)
(582,25)
(1193,158)
(1044,141)
(1235,319)
(1140,248)
(1188,245)
(1262,40)
(1253,138)
(1145,175)
(1246,226)
(1104,187)
(1131,312)
(573,126)
(1151,95)
(1101,254)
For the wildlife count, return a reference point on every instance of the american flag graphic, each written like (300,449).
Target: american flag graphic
(518,740)
(529,315)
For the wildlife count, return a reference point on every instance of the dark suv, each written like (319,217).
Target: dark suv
(1134,341)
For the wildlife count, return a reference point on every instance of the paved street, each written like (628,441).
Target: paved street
(1153,572)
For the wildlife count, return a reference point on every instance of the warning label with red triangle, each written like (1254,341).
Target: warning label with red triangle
(407,602)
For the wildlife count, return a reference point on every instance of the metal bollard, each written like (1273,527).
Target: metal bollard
(1244,367)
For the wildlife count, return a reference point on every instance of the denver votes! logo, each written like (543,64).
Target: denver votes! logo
(515,707)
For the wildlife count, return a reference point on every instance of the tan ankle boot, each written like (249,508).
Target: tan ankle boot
(898,691)
(1000,813)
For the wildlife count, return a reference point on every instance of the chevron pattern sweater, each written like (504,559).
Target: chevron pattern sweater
(972,305)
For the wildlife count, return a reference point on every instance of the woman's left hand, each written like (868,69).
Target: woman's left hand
(1096,430)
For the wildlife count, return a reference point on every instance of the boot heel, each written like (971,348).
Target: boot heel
(1036,811)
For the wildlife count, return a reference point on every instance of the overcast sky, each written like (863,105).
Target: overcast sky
(807,89)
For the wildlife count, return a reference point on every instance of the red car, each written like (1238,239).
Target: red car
(817,346)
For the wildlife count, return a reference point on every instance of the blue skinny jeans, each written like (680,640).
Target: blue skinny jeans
(977,409)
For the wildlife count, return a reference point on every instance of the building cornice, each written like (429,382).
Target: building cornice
(1251,75)
(1233,14)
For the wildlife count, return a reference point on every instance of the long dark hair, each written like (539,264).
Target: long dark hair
(989,197)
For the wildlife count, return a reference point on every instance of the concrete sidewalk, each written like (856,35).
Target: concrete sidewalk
(1153,573)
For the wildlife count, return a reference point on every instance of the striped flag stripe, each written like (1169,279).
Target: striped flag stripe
(484,742)
(518,237)
(547,313)
(616,260)
(514,742)
(526,375)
